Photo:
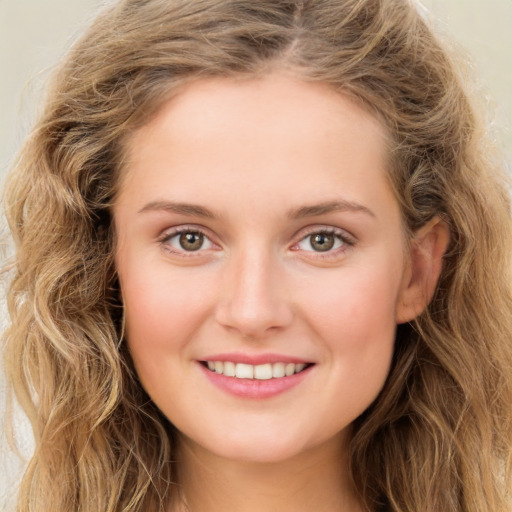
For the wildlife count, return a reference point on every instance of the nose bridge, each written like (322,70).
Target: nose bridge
(254,300)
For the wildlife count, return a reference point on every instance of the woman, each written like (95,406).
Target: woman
(262,263)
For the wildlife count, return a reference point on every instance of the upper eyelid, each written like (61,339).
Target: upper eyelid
(343,233)
(184,228)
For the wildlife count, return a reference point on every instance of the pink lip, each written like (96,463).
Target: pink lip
(253,388)
(255,359)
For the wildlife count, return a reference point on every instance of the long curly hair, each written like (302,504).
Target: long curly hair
(438,437)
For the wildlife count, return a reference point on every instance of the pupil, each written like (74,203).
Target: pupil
(322,242)
(191,241)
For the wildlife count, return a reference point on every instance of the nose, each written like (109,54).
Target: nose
(254,300)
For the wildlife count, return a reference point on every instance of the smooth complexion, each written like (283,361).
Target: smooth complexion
(256,227)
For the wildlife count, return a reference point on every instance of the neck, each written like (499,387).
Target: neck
(316,480)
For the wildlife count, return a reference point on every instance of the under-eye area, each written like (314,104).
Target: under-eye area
(265,371)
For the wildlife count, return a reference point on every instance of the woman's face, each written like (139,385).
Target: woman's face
(262,264)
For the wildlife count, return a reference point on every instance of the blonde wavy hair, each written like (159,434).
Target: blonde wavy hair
(438,438)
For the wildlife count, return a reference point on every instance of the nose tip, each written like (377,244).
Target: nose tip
(254,302)
(253,319)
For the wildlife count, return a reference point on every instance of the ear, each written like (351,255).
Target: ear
(425,263)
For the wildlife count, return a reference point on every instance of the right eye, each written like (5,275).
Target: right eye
(321,242)
(186,240)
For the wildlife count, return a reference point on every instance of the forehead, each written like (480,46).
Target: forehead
(285,101)
(277,132)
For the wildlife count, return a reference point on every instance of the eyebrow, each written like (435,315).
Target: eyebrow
(297,213)
(329,207)
(180,208)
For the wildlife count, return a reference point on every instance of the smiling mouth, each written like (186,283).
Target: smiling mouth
(255,372)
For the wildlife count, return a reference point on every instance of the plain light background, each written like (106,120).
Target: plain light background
(34,34)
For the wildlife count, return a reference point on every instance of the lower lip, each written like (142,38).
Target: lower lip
(254,388)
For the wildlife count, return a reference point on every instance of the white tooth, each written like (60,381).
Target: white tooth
(263,371)
(219,367)
(244,371)
(290,369)
(299,367)
(229,369)
(278,370)
(211,365)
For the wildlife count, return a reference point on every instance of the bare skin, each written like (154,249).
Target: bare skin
(256,227)
(310,481)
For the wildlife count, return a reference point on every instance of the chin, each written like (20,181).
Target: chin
(257,447)
(259,453)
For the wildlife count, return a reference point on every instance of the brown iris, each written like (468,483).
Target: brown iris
(191,240)
(322,242)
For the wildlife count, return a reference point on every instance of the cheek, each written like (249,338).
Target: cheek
(354,304)
(162,313)
(356,322)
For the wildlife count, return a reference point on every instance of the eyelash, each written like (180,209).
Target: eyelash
(168,236)
(346,240)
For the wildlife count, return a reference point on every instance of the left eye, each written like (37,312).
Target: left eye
(321,242)
(188,241)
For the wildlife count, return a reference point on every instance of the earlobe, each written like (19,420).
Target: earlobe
(425,264)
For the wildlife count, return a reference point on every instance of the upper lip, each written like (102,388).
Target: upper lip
(256,359)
